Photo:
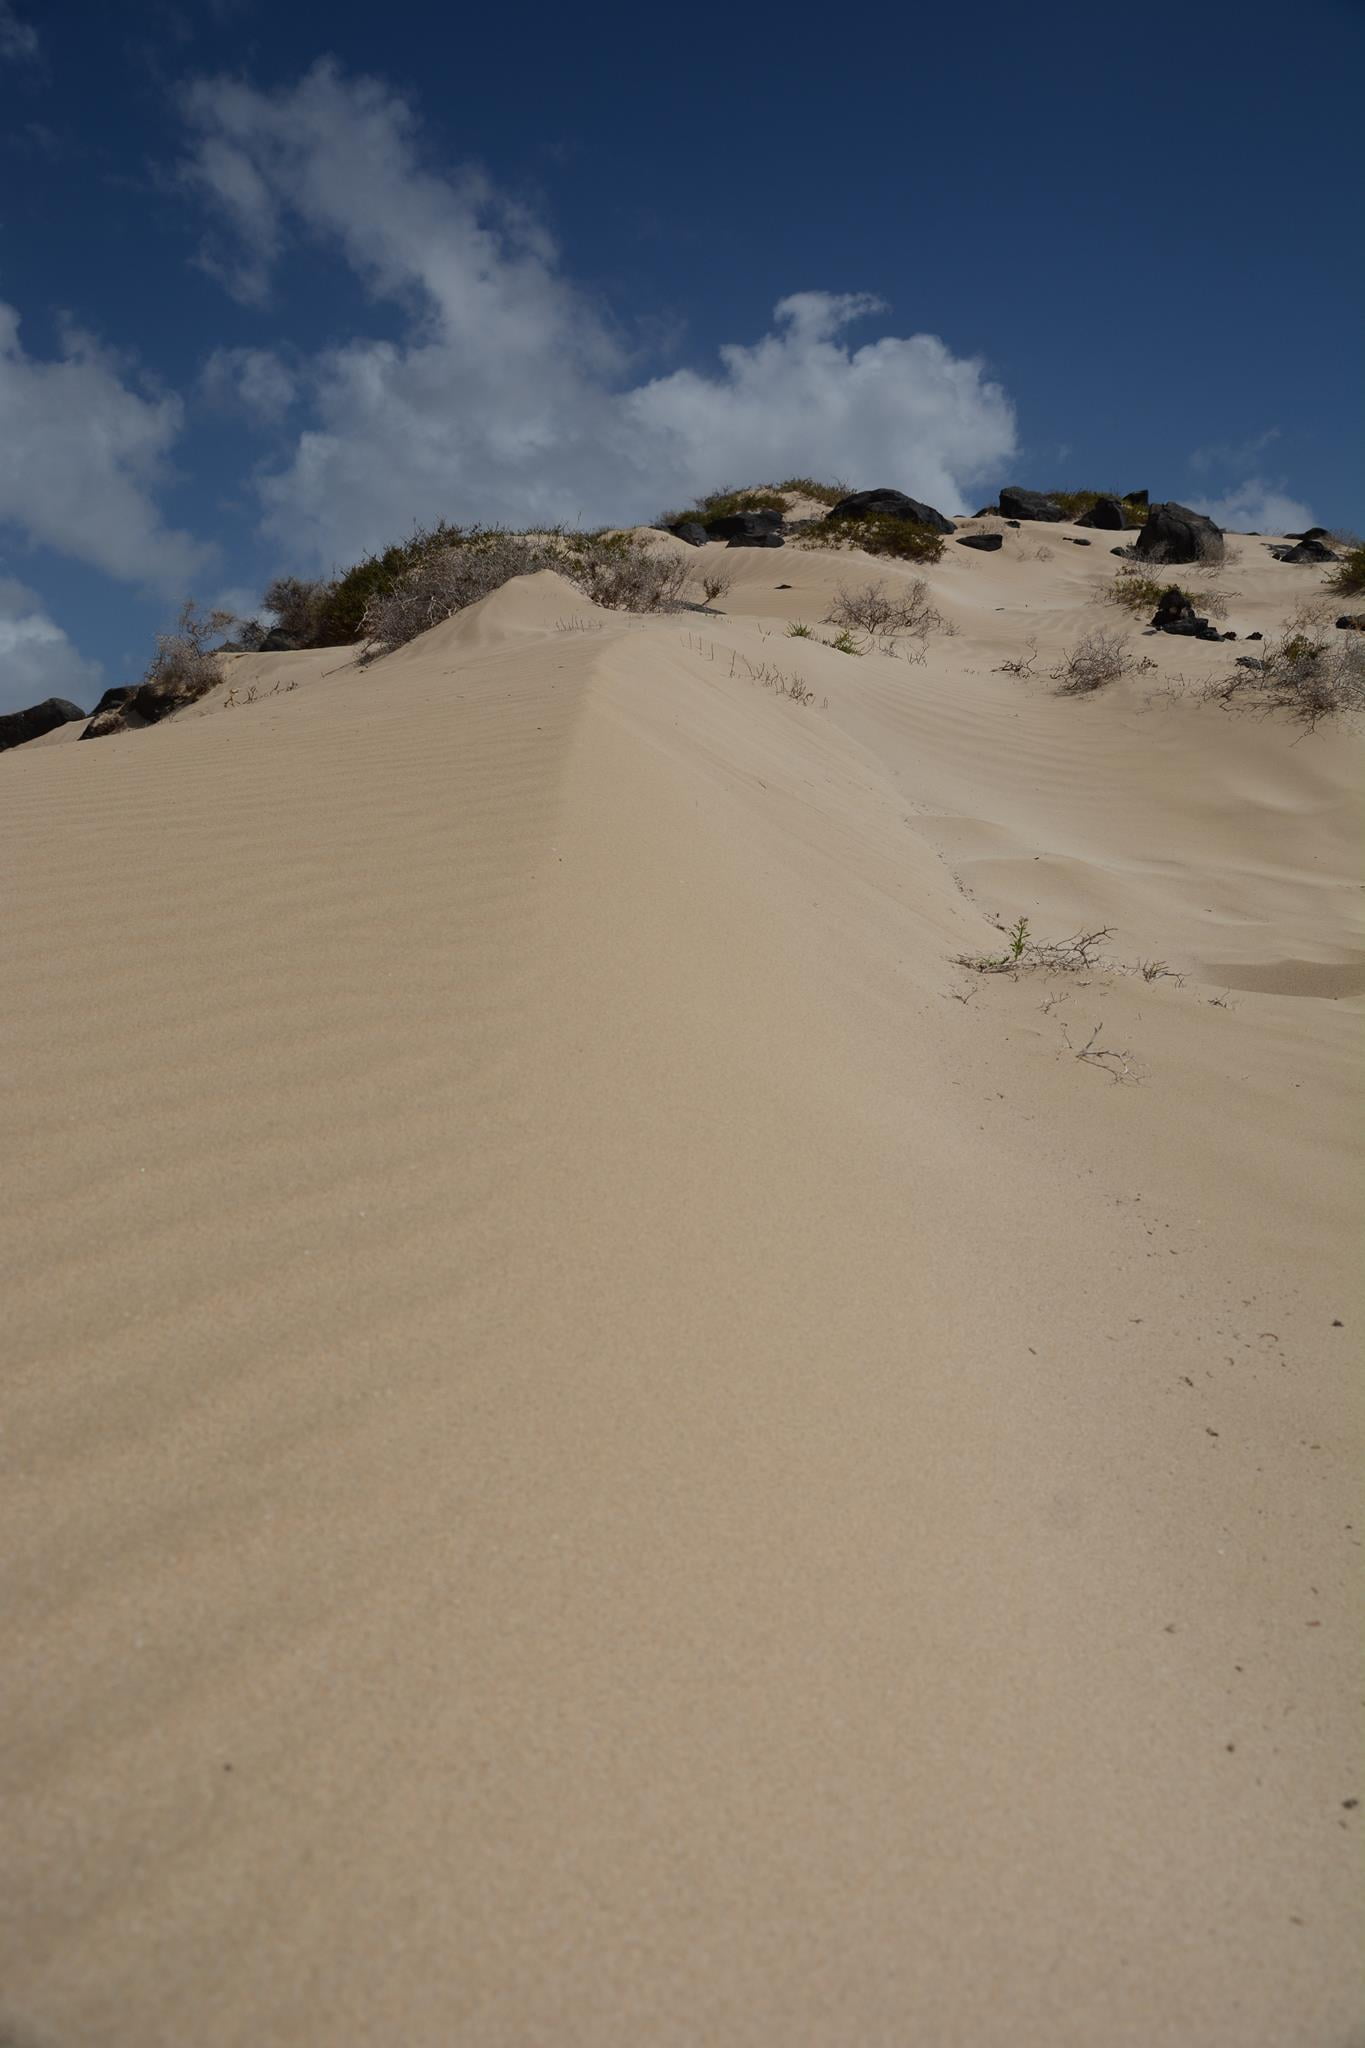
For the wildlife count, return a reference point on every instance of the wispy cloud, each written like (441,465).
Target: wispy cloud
(18,39)
(1231,456)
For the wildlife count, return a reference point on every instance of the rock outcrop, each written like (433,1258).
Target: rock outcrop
(32,723)
(888,504)
(1106,513)
(1020,504)
(987,542)
(1175,534)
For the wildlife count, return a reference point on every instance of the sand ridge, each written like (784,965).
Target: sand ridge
(601,1444)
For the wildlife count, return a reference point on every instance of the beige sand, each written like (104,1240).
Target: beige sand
(602,1447)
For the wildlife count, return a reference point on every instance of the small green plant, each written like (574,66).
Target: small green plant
(844,643)
(796,631)
(1023,952)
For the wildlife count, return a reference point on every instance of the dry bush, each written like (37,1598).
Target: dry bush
(1135,589)
(1310,673)
(439,585)
(296,605)
(886,614)
(1348,577)
(182,667)
(717,584)
(623,574)
(617,571)
(1098,659)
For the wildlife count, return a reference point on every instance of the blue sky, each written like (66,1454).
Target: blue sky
(276,282)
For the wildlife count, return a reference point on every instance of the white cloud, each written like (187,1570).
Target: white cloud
(255,379)
(83,452)
(18,40)
(1256,507)
(36,658)
(1233,455)
(509,395)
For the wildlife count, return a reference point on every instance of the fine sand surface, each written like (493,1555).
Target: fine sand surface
(603,1447)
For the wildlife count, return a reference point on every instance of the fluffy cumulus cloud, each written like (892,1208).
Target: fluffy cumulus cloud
(509,396)
(84,453)
(1256,507)
(36,658)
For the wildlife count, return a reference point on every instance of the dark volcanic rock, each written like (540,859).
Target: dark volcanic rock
(756,540)
(118,695)
(1305,551)
(745,525)
(885,504)
(986,512)
(147,704)
(1106,513)
(690,530)
(1313,533)
(1255,636)
(987,542)
(1135,497)
(1175,534)
(1078,543)
(31,724)
(1351,622)
(1019,504)
(1176,614)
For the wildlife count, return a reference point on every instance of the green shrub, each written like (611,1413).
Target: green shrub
(721,504)
(901,539)
(1348,577)
(808,487)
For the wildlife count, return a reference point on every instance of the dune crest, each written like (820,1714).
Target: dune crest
(605,1444)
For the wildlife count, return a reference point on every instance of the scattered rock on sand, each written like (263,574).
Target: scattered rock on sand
(1351,622)
(1019,504)
(767,539)
(690,530)
(886,504)
(987,542)
(1305,551)
(1175,613)
(1175,534)
(18,726)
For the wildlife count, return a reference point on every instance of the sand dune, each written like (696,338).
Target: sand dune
(601,1445)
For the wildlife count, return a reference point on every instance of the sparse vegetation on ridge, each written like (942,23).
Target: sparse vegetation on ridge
(1077,503)
(900,539)
(1135,589)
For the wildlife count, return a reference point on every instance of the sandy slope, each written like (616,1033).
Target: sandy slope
(602,1446)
